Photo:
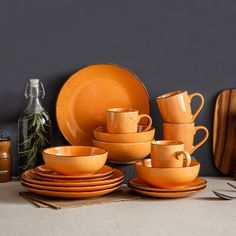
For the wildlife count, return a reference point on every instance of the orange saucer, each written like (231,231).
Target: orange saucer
(195,185)
(167,194)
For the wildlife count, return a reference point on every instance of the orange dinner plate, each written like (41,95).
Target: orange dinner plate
(30,177)
(59,194)
(72,189)
(84,98)
(35,175)
(44,171)
(167,194)
(139,184)
(75,180)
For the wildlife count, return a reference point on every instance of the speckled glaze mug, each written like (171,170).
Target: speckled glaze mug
(125,120)
(169,154)
(185,133)
(175,107)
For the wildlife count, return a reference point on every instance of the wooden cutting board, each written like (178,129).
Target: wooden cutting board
(224,132)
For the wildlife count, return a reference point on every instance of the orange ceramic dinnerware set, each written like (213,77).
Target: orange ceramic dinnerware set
(79,171)
(171,173)
(125,140)
(73,172)
(107,106)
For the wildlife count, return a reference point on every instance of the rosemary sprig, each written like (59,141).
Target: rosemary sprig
(30,148)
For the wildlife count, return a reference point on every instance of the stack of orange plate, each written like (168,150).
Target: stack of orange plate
(46,182)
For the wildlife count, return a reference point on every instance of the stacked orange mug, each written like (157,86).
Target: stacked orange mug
(179,125)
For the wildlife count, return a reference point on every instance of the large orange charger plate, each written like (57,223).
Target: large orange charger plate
(84,98)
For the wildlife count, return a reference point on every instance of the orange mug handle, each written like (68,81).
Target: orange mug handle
(204,138)
(187,157)
(191,96)
(149,121)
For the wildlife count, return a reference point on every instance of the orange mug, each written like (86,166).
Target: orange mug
(169,154)
(184,133)
(175,107)
(125,120)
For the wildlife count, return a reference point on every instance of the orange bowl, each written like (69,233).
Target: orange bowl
(125,153)
(100,133)
(74,160)
(166,177)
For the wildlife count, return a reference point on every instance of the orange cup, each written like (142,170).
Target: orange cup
(169,154)
(175,107)
(185,133)
(125,120)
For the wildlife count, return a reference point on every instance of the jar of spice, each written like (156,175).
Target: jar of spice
(5,159)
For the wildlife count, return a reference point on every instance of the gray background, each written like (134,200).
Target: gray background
(169,44)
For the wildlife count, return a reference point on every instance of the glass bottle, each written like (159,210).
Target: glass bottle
(34,128)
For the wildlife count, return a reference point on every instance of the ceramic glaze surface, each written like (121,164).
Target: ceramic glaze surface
(49,179)
(72,189)
(125,120)
(74,160)
(166,177)
(73,151)
(104,171)
(169,153)
(60,194)
(85,97)
(185,133)
(167,194)
(101,134)
(31,177)
(125,153)
(139,184)
(175,107)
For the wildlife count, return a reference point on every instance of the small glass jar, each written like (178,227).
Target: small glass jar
(5,159)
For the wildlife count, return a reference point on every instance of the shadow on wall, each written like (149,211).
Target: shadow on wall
(52,88)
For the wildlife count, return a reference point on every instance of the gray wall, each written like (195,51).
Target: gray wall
(169,44)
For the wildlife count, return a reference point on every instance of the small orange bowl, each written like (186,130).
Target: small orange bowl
(75,160)
(166,177)
(100,133)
